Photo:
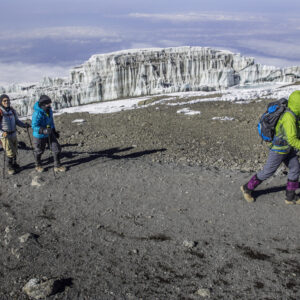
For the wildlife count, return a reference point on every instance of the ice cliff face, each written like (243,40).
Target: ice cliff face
(148,72)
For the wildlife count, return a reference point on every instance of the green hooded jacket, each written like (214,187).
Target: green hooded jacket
(287,130)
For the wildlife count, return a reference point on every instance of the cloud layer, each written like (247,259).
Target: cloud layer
(66,32)
(271,37)
(29,73)
(197,17)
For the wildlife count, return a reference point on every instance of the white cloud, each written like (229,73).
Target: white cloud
(137,45)
(69,32)
(169,43)
(156,44)
(21,72)
(277,62)
(197,17)
(281,49)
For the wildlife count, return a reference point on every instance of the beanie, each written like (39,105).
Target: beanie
(44,99)
(3,96)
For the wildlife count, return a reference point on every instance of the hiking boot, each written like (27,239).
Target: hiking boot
(57,166)
(292,201)
(11,171)
(10,167)
(60,169)
(39,169)
(291,197)
(15,165)
(247,193)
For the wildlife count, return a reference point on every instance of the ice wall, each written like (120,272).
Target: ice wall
(148,72)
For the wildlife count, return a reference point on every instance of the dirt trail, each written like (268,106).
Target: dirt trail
(122,225)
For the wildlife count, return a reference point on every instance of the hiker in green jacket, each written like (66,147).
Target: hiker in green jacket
(284,148)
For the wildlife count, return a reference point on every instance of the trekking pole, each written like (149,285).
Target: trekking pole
(51,153)
(30,143)
(4,154)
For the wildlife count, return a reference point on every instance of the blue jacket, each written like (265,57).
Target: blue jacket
(41,120)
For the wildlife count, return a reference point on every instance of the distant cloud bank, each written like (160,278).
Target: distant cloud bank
(197,17)
(30,52)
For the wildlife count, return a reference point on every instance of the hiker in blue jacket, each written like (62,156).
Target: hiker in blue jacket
(44,133)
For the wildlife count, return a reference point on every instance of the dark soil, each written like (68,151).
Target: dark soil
(151,208)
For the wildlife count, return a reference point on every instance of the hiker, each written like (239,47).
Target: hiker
(284,147)
(44,133)
(8,135)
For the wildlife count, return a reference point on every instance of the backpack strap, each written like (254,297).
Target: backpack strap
(290,111)
(13,110)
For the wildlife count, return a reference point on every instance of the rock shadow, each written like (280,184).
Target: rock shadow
(61,284)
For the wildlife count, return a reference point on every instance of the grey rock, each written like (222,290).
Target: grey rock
(189,244)
(205,293)
(37,181)
(24,238)
(38,289)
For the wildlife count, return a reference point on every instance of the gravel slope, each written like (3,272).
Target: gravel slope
(150,208)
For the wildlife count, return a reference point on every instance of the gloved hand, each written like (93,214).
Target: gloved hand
(45,130)
(56,133)
(27,125)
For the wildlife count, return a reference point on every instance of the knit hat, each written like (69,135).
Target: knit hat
(3,96)
(44,99)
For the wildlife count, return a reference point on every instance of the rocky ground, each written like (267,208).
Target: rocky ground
(150,208)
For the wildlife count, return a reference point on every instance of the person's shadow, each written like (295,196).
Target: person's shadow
(112,153)
(275,189)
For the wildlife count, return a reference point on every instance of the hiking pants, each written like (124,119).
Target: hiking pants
(274,161)
(10,146)
(40,145)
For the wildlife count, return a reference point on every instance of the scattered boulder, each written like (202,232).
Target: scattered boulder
(24,238)
(205,293)
(189,244)
(39,289)
(37,181)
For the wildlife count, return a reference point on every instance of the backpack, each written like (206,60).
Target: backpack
(267,122)
(1,113)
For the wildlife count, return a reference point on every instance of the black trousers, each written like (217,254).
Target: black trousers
(40,145)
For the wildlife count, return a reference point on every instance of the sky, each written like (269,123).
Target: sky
(48,37)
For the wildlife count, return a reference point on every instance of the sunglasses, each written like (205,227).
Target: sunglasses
(5,100)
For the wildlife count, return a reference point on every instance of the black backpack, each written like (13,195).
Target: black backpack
(267,122)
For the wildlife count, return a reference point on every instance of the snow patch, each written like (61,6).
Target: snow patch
(188,111)
(223,118)
(79,121)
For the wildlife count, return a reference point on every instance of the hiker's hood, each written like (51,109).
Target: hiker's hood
(36,107)
(294,102)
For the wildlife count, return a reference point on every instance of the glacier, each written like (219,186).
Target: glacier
(151,71)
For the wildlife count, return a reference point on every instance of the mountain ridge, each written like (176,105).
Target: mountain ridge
(150,71)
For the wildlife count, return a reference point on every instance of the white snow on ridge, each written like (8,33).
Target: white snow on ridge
(104,107)
(154,71)
(242,95)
